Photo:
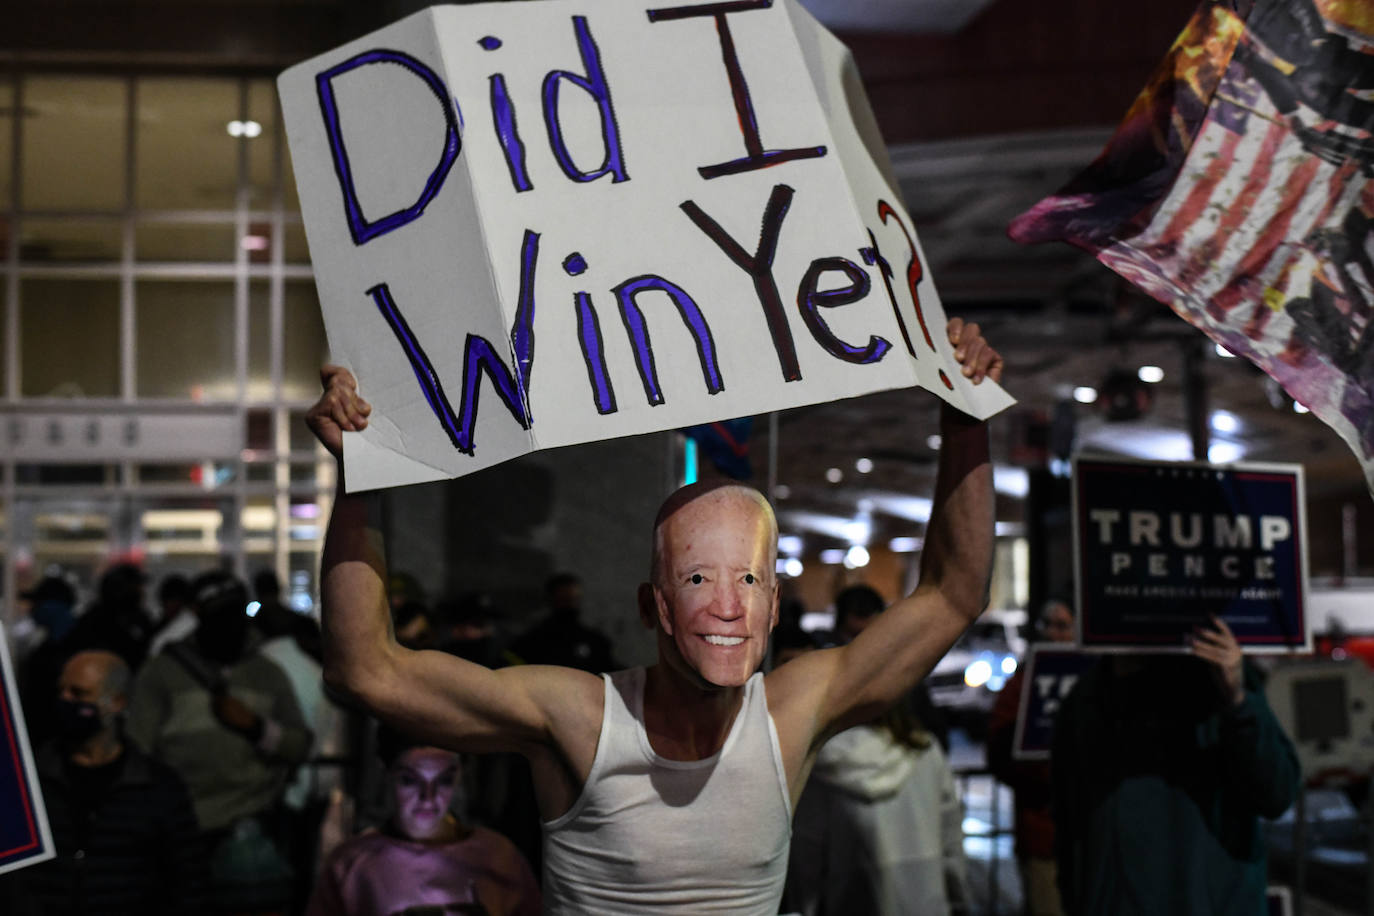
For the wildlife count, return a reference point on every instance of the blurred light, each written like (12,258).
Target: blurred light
(1300,408)
(858,531)
(689,461)
(780,566)
(934,441)
(1224,353)
(856,557)
(253,607)
(1008,665)
(865,505)
(304,510)
(977,673)
(782,491)
(1011,481)
(834,475)
(863,465)
(789,544)
(812,621)
(1223,421)
(249,129)
(255,243)
(793,567)
(1010,529)
(1151,374)
(1084,394)
(832,556)
(1225,452)
(905,544)
(303,532)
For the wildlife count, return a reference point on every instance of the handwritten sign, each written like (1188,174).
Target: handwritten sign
(24,835)
(1051,672)
(1160,546)
(611,217)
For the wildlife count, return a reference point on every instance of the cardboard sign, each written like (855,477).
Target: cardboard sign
(611,217)
(1161,546)
(1051,671)
(24,835)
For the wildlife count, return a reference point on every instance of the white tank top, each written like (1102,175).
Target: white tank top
(673,836)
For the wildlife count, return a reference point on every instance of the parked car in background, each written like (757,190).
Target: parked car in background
(966,680)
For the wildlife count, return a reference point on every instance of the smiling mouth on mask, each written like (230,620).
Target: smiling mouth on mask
(715,640)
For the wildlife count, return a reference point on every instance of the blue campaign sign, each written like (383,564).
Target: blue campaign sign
(1051,671)
(1162,546)
(24,835)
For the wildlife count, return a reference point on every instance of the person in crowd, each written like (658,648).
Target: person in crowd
(51,605)
(117,621)
(1030,780)
(670,787)
(425,859)
(561,638)
(122,824)
(225,718)
(855,608)
(177,620)
(879,827)
(1163,766)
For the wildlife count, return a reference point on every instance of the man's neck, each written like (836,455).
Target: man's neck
(684,720)
(98,750)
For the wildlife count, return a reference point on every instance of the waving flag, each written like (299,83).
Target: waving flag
(1237,191)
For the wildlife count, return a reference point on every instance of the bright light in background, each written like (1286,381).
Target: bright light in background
(252,609)
(1084,394)
(834,526)
(865,505)
(1151,374)
(858,531)
(789,545)
(1300,408)
(792,567)
(689,461)
(1225,452)
(911,508)
(832,556)
(977,673)
(1223,421)
(1008,665)
(1224,353)
(905,544)
(249,129)
(1010,529)
(1011,481)
(934,441)
(856,557)
(834,475)
(782,491)
(255,243)
(1152,443)
(863,465)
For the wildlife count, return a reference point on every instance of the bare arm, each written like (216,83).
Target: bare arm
(854,683)
(433,695)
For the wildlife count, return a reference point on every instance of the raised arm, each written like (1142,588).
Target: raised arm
(854,683)
(438,697)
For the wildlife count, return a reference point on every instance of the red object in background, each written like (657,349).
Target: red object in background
(1339,647)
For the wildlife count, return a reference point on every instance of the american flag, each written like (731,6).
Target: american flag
(1237,191)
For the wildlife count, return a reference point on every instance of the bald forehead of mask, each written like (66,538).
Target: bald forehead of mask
(685,496)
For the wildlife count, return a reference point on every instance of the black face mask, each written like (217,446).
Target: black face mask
(77,722)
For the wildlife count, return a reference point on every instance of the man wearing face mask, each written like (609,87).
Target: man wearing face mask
(220,714)
(122,823)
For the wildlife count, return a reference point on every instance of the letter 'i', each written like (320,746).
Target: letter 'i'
(589,337)
(503,120)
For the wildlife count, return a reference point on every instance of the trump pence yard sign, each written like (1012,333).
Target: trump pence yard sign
(541,223)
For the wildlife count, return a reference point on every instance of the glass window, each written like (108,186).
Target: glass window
(6,149)
(187,158)
(181,241)
(304,348)
(68,241)
(262,173)
(185,339)
(69,335)
(74,143)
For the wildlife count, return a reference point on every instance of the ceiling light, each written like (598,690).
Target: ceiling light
(249,129)
(856,557)
(834,475)
(792,567)
(1299,407)
(858,531)
(934,441)
(1223,421)
(905,544)
(865,505)
(1225,452)
(1011,481)
(789,545)
(1151,374)
(832,556)
(254,243)
(1224,353)
(863,465)
(1084,394)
